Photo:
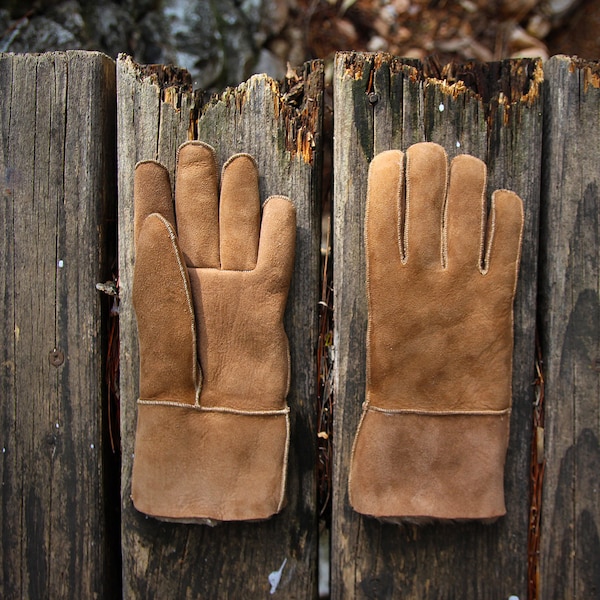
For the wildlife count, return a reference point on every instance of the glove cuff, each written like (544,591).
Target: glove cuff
(418,465)
(195,464)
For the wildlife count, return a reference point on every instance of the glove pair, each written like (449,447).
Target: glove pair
(210,286)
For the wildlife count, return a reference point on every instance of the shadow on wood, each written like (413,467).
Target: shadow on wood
(570,328)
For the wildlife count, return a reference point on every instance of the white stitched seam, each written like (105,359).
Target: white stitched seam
(401,209)
(285,462)
(438,413)
(490,240)
(482,235)
(444,217)
(215,409)
(353,452)
(203,145)
(233,157)
(407,207)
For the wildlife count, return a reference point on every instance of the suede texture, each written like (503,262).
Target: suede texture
(209,465)
(211,280)
(441,280)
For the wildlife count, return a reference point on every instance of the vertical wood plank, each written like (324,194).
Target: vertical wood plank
(494,112)
(280,126)
(58,183)
(570,328)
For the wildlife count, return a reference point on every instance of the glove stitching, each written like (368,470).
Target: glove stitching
(285,460)
(236,156)
(438,413)
(216,409)
(481,256)
(407,207)
(490,241)
(197,143)
(444,217)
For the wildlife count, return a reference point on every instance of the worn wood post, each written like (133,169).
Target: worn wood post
(280,126)
(57,168)
(570,330)
(494,112)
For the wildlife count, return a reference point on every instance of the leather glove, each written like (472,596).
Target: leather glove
(433,436)
(210,287)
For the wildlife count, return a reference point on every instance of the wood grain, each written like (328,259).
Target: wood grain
(492,111)
(570,330)
(58,183)
(57,145)
(279,124)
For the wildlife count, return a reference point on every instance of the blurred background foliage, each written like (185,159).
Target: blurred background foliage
(222,42)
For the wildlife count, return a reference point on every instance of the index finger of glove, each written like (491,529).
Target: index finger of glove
(385,207)
(504,237)
(277,244)
(426,168)
(197,204)
(151,194)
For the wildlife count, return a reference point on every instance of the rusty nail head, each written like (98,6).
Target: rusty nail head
(56,357)
(373,98)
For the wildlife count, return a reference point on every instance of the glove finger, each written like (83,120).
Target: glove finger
(426,172)
(465,213)
(505,230)
(239,214)
(197,204)
(277,243)
(385,212)
(151,194)
(165,316)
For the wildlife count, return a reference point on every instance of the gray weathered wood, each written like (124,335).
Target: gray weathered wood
(381,102)
(281,129)
(58,183)
(570,319)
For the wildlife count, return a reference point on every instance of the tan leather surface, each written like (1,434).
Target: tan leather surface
(441,280)
(210,286)
(208,465)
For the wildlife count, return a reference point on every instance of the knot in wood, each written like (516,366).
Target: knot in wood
(56,357)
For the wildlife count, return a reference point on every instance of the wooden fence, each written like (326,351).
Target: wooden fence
(74,124)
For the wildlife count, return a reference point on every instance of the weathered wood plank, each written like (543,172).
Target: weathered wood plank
(494,112)
(280,127)
(58,177)
(570,330)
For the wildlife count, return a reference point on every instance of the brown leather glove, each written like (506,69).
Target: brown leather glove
(440,282)
(209,291)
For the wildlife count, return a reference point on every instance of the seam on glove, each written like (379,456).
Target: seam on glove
(402,210)
(217,409)
(407,207)
(197,143)
(437,413)
(484,216)
(234,157)
(285,461)
(485,267)
(353,451)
